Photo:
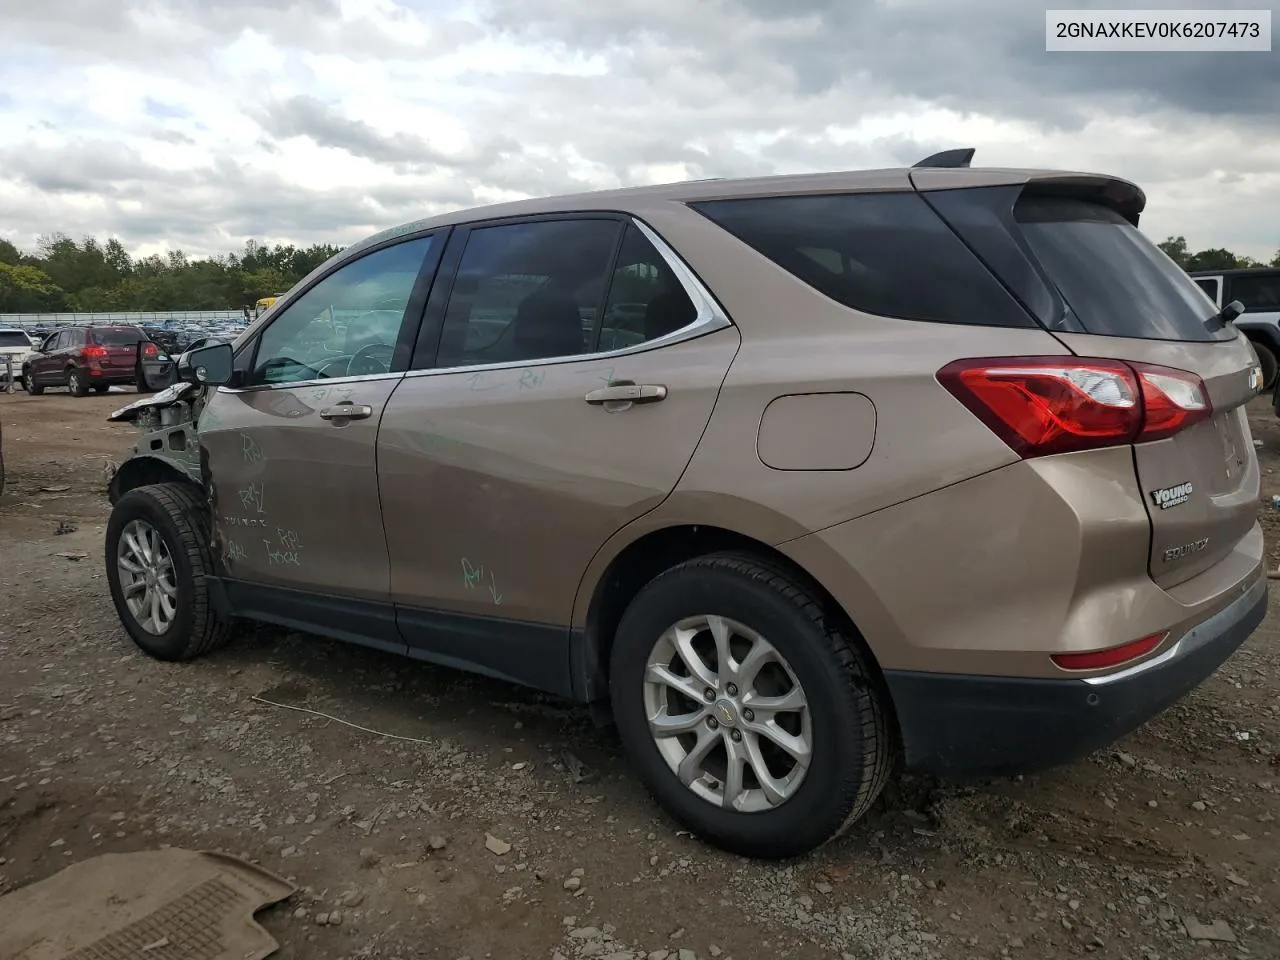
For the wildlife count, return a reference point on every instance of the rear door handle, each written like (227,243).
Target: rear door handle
(627,392)
(347,411)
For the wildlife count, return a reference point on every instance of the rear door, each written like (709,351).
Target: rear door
(1122,298)
(577,368)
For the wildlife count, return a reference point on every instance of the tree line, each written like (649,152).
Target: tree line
(87,276)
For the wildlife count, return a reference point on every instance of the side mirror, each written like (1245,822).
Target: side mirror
(211,366)
(1231,311)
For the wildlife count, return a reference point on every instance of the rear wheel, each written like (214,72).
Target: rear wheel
(751,717)
(77,382)
(158,556)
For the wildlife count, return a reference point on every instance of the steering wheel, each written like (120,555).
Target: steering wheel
(370,360)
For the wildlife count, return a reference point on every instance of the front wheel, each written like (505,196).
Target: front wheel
(749,714)
(29,384)
(158,557)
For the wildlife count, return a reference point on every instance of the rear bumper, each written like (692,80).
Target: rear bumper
(956,725)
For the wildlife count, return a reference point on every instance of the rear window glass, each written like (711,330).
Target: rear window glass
(1115,281)
(1259,292)
(14,338)
(883,253)
(117,337)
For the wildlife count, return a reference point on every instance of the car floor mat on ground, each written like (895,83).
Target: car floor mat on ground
(152,905)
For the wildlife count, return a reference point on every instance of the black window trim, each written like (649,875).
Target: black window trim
(710,317)
(246,350)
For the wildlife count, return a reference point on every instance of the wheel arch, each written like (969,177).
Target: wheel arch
(644,557)
(144,471)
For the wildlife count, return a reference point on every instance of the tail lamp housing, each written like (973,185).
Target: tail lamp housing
(1046,405)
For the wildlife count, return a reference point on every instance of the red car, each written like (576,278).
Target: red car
(94,358)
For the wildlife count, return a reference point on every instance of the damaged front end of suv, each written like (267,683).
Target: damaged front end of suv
(168,447)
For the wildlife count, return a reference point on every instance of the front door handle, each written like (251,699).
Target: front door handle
(347,411)
(626,392)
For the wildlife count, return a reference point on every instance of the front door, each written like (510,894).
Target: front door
(292,448)
(42,362)
(504,464)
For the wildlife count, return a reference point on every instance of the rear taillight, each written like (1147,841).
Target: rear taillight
(1172,400)
(1112,657)
(1046,405)
(149,351)
(93,352)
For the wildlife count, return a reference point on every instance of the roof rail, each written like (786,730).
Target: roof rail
(949,158)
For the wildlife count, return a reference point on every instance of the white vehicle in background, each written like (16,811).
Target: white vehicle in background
(15,347)
(1258,291)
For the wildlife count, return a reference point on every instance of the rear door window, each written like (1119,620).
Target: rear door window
(1114,280)
(1259,292)
(528,291)
(887,254)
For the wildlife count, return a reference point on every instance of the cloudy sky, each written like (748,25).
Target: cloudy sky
(196,124)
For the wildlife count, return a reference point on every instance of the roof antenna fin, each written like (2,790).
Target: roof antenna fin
(949,158)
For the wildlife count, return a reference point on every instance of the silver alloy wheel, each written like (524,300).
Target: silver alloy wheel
(728,714)
(147,577)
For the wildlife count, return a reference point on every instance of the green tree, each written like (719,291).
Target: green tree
(1176,249)
(26,289)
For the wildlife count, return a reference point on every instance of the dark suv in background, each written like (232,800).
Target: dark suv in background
(95,358)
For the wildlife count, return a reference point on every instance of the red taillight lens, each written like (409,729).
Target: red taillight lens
(149,351)
(1172,400)
(1113,657)
(93,352)
(1046,405)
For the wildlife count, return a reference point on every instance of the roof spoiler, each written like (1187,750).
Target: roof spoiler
(948,158)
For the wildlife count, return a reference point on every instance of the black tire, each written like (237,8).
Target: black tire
(33,388)
(179,514)
(1266,360)
(853,750)
(77,383)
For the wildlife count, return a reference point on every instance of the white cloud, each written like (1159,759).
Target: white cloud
(181,123)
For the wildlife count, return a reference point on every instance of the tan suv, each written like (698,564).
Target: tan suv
(808,477)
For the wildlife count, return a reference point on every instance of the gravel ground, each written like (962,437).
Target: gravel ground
(474,819)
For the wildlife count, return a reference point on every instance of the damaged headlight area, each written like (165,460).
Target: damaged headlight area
(168,446)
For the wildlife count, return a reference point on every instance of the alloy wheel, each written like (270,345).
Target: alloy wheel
(727,714)
(147,577)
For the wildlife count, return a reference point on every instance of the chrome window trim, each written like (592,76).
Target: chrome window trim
(710,318)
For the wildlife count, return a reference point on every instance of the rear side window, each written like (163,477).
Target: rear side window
(117,336)
(882,253)
(1259,292)
(1114,280)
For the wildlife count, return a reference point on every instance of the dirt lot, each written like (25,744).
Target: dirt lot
(103,749)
